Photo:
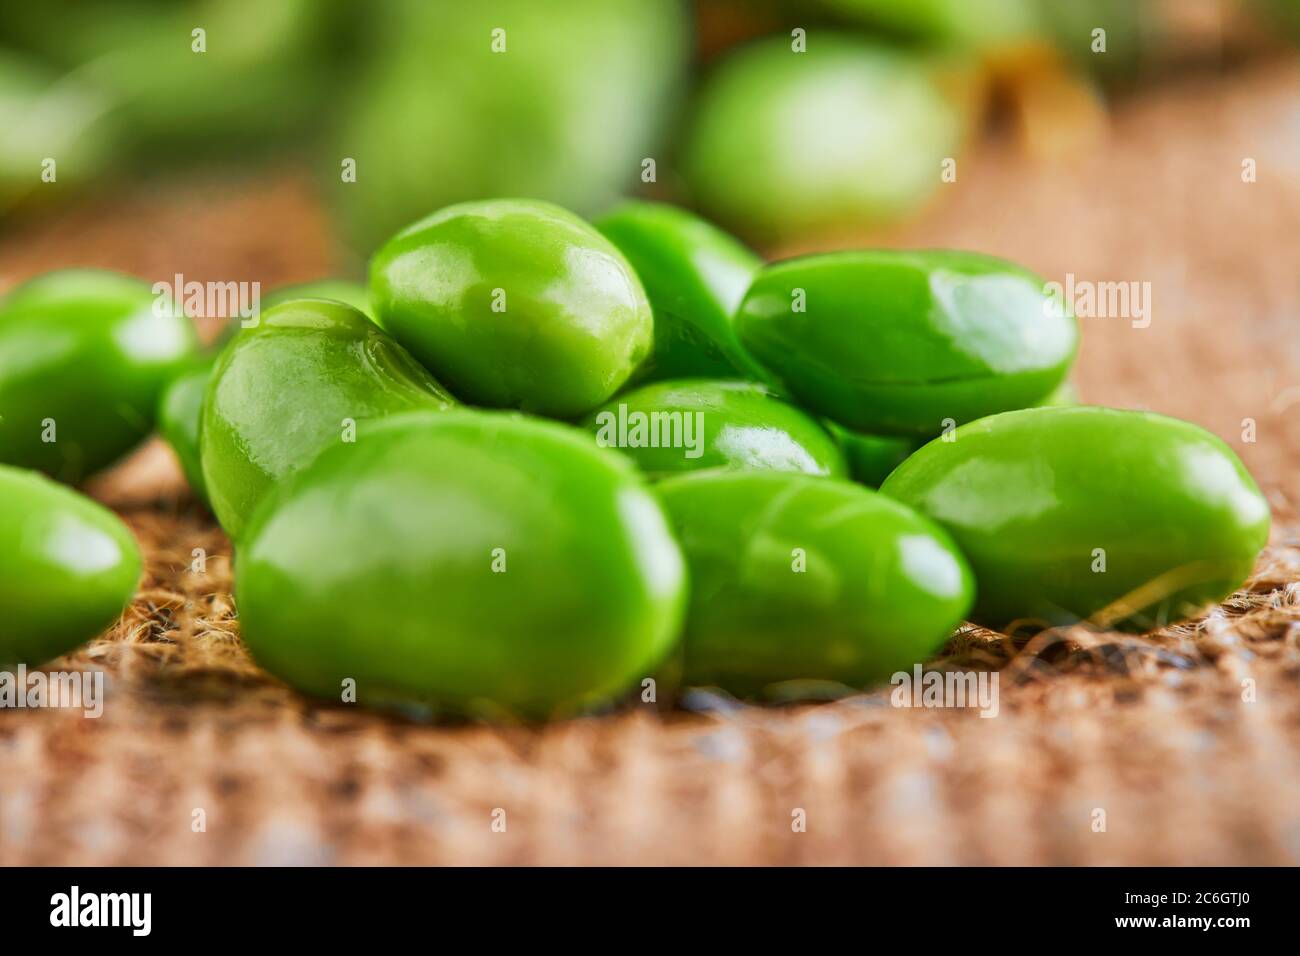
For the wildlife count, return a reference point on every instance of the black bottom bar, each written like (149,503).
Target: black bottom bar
(333,906)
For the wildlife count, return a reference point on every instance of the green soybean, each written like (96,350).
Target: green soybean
(795,578)
(907,343)
(337,290)
(698,424)
(847,132)
(871,458)
(470,562)
(68,567)
(238,98)
(83,357)
(515,303)
(695,276)
(1123,519)
(559,101)
(291,385)
(180,413)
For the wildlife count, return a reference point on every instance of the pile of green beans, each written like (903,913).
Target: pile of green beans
(537,462)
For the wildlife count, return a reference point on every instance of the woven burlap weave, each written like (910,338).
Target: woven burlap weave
(1188,740)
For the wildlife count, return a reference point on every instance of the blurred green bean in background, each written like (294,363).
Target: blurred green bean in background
(579,102)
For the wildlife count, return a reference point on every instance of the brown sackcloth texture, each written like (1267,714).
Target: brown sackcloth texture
(1188,740)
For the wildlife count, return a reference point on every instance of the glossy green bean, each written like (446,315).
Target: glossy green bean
(476,563)
(84,356)
(515,303)
(1121,519)
(795,578)
(700,424)
(180,414)
(346,291)
(695,276)
(904,342)
(295,383)
(68,566)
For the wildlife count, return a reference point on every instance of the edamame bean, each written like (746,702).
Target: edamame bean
(67,567)
(243,96)
(472,562)
(1123,519)
(286,388)
(337,290)
(795,578)
(871,458)
(180,413)
(843,133)
(84,355)
(180,410)
(698,424)
(907,342)
(559,101)
(515,304)
(694,275)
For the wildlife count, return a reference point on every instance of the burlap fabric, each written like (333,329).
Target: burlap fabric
(1188,740)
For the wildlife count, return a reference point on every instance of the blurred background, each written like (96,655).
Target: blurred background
(1152,145)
